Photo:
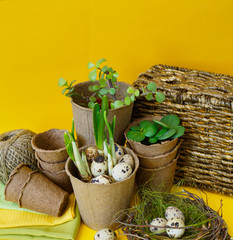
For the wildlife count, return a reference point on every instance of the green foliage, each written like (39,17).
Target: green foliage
(106,78)
(150,132)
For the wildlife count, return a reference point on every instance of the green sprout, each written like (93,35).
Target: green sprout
(106,83)
(150,132)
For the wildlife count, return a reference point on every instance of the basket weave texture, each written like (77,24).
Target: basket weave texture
(15,148)
(204,103)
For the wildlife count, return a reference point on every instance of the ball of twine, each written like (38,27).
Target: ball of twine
(15,148)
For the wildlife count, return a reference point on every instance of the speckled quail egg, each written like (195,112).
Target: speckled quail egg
(127,159)
(99,166)
(174,212)
(91,153)
(105,234)
(119,151)
(175,232)
(160,224)
(101,179)
(121,171)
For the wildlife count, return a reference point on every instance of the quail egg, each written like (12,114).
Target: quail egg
(160,224)
(174,212)
(119,151)
(105,234)
(99,166)
(121,171)
(91,153)
(175,232)
(127,159)
(101,179)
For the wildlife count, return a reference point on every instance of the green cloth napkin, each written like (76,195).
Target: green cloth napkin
(65,231)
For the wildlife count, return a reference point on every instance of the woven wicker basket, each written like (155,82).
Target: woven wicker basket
(204,102)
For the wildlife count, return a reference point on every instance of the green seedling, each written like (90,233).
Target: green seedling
(150,132)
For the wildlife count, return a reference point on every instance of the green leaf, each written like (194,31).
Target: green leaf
(149,96)
(118,104)
(136,93)
(110,70)
(102,76)
(112,91)
(135,128)
(71,90)
(132,97)
(64,90)
(113,79)
(96,88)
(103,91)
(91,88)
(90,65)
(92,99)
(92,75)
(130,90)
(91,105)
(136,136)
(160,97)
(161,132)
(127,101)
(71,83)
(102,81)
(171,120)
(179,132)
(150,130)
(115,74)
(168,134)
(151,87)
(144,123)
(99,62)
(164,125)
(104,69)
(62,82)
(112,105)
(153,139)
(109,76)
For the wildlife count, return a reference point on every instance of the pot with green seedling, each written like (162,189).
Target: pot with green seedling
(102,175)
(121,95)
(156,142)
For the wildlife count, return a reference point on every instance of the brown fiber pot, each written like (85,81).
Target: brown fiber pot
(99,204)
(159,160)
(159,178)
(149,150)
(83,118)
(33,191)
(50,145)
(51,167)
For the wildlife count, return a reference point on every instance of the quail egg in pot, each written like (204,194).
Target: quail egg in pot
(119,151)
(101,179)
(121,171)
(99,166)
(127,159)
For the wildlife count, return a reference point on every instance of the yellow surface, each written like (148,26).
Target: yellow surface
(42,41)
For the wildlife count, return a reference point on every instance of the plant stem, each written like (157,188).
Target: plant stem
(111,86)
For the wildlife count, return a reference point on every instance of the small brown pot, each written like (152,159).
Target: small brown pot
(100,204)
(158,178)
(34,191)
(150,150)
(159,160)
(51,167)
(60,178)
(83,117)
(50,145)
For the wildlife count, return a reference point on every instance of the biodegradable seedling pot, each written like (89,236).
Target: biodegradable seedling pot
(153,149)
(159,178)
(51,167)
(83,118)
(159,161)
(60,178)
(99,204)
(50,145)
(35,192)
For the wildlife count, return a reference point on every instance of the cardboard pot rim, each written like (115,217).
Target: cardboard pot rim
(49,163)
(104,185)
(89,109)
(148,147)
(38,149)
(52,173)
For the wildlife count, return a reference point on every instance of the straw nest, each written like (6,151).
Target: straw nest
(201,222)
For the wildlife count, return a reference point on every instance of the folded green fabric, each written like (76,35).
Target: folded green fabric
(65,231)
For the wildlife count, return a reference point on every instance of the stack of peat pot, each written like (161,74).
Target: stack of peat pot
(157,161)
(51,155)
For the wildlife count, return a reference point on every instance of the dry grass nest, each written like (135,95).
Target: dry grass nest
(201,222)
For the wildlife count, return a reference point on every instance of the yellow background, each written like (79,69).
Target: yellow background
(42,41)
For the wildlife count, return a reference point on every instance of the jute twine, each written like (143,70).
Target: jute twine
(15,148)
